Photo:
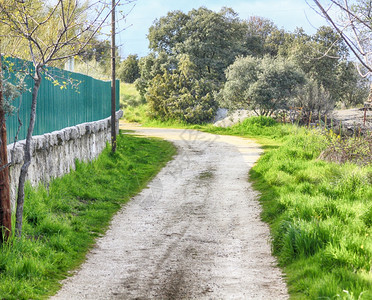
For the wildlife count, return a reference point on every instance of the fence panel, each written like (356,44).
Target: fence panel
(86,100)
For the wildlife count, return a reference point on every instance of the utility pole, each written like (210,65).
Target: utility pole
(5,213)
(113,79)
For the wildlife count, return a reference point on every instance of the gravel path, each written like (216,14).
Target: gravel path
(195,233)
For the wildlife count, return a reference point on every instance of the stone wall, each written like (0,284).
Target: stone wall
(54,154)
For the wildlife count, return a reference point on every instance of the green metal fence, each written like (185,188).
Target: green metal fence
(85,100)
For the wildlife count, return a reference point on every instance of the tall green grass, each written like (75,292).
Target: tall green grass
(256,127)
(61,223)
(320,212)
(136,109)
(129,96)
(138,114)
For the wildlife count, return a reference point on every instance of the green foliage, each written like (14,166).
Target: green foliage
(12,91)
(357,149)
(352,89)
(181,96)
(92,68)
(314,100)
(99,53)
(264,82)
(211,40)
(323,58)
(153,65)
(318,55)
(264,85)
(60,224)
(129,69)
(259,32)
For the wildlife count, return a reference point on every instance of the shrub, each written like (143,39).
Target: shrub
(264,85)
(348,149)
(314,100)
(180,95)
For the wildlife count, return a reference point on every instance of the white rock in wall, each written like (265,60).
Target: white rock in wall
(54,154)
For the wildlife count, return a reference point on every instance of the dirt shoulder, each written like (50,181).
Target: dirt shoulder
(194,233)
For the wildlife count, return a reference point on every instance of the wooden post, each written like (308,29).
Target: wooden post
(113,80)
(365,115)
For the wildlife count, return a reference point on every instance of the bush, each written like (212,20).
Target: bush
(129,70)
(314,100)
(181,96)
(261,84)
(348,149)
(260,121)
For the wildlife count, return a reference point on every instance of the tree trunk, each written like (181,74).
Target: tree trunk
(5,212)
(27,154)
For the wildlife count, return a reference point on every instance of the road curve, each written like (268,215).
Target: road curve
(194,233)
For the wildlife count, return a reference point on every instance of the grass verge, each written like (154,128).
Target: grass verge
(61,224)
(320,213)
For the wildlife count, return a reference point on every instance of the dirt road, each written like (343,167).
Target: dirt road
(195,233)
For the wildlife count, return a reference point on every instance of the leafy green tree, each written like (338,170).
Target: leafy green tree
(262,35)
(323,57)
(275,41)
(318,56)
(97,50)
(168,31)
(152,65)
(129,69)
(212,40)
(352,88)
(264,85)
(179,95)
(98,53)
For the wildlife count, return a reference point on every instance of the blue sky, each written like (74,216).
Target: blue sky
(287,14)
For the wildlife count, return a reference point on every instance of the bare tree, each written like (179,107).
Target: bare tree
(48,34)
(354,25)
(5,213)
